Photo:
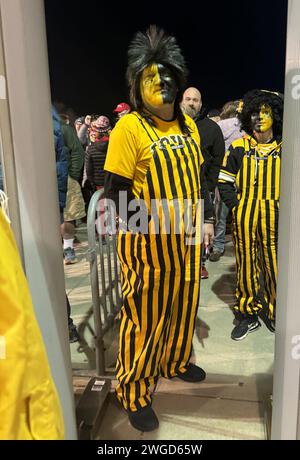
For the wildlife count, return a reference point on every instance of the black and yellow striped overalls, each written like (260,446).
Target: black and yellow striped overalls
(160,275)
(255,170)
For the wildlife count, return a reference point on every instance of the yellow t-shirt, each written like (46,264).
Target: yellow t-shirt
(129,150)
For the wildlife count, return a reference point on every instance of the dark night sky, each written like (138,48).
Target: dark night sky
(230,47)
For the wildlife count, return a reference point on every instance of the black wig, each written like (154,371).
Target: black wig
(252,102)
(155,46)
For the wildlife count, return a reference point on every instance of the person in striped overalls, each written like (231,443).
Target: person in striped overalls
(249,184)
(154,155)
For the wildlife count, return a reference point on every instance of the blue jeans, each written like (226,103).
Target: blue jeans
(220,230)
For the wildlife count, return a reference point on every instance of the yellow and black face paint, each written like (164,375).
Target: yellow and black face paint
(158,86)
(262,121)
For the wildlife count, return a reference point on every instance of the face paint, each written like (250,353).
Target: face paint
(262,121)
(158,86)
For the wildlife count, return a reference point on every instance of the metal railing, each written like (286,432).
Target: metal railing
(104,274)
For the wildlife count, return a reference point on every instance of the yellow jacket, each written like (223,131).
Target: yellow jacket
(29,405)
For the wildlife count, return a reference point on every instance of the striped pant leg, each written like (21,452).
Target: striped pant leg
(246,251)
(149,289)
(178,346)
(268,235)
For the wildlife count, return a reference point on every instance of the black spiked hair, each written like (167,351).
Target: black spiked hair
(252,102)
(155,46)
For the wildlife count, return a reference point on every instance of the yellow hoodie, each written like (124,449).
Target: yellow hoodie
(29,405)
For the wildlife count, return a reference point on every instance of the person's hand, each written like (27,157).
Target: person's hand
(87,120)
(209,234)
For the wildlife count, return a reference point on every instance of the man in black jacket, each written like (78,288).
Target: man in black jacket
(212,143)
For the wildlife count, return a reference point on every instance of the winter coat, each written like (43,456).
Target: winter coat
(94,161)
(61,160)
(75,152)
(212,148)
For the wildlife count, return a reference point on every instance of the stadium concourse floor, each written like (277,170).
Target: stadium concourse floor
(230,404)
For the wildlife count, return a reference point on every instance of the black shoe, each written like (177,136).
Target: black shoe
(73,333)
(247,325)
(192,374)
(143,419)
(269,323)
(216,255)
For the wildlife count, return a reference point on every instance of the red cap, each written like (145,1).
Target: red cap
(122,106)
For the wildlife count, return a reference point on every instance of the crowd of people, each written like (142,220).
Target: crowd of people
(166,146)
(80,156)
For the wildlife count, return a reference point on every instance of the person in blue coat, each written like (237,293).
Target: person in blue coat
(62,183)
(61,163)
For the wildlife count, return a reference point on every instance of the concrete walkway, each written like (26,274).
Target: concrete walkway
(229,404)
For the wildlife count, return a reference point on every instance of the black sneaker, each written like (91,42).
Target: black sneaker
(192,374)
(247,325)
(73,333)
(143,419)
(269,323)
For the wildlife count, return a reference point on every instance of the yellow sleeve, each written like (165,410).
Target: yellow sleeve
(123,149)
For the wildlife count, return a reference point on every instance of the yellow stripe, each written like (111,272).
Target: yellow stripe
(277,178)
(270,166)
(227,173)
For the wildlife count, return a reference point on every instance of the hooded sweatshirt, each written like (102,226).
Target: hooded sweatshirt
(231,130)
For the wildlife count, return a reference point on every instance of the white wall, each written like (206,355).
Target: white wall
(287,353)
(25,53)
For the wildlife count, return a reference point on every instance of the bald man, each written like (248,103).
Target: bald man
(191,102)
(212,142)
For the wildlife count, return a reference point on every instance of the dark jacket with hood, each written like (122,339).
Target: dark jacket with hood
(212,147)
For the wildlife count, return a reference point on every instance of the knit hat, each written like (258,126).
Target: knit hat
(99,128)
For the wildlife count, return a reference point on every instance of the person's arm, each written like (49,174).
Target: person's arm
(227,176)
(76,152)
(205,195)
(120,165)
(82,133)
(208,206)
(89,166)
(61,164)
(113,185)
(217,154)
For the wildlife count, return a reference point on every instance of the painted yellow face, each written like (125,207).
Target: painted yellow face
(266,118)
(157,86)
(262,121)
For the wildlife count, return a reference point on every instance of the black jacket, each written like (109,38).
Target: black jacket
(94,161)
(212,147)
